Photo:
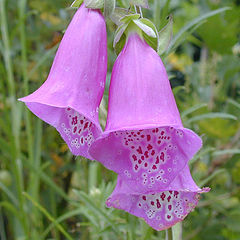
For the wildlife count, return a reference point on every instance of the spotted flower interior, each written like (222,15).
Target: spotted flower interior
(159,209)
(147,159)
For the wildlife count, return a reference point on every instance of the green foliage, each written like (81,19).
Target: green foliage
(46,193)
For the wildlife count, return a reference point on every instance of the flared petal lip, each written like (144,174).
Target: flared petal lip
(61,106)
(147,126)
(200,191)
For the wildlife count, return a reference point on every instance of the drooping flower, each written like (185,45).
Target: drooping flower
(144,140)
(162,209)
(70,97)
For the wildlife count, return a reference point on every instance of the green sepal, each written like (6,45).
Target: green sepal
(150,36)
(118,14)
(94,4)
(120,38)
(130,17)
(145,27)
(109,7)
(77,3)
(141,3)
(165,37)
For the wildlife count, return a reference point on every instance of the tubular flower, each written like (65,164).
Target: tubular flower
(163,209)
(144,140)
(70,97)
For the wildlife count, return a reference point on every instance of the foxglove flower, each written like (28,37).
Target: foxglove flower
(144,140)
(163,209)
(70,97)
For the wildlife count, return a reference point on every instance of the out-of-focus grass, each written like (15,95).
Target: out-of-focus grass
(46,193)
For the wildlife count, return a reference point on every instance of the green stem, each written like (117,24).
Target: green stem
(21,9)
(16,161)
(169,234)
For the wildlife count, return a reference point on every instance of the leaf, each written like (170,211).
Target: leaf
(165,36)
(109,7)
(213,175)
(77,3)
(118,14)
(194,22)
(94,4)
(91,205)
(210,116)
(130,17)
(193,109)
(234,103)
(119,35)
(226,151)
(145,28)
(141,3)
(48,215)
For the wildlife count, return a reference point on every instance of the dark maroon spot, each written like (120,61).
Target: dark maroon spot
(139,161)
(156,130)
(168,216)
(75,129)
(146,154)
(142,136)
(132,147)
(138,133)
(162,156)
(152,202)
(153,152)
(168,138)
(170,192)
(169,207)
(154,167)
(158,204)
(175,193)
(145,164)
(169,198)
(162,132)
(159,142)
(134,157)
(81,121)
(79,131)
(136,167)
(82,140)
(163,195)
(139,204)
(148,137)
(157,160)
(144,198)
(149,147)
(139,150)
(85,125)
(74,120)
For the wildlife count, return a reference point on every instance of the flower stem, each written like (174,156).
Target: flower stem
(169,234)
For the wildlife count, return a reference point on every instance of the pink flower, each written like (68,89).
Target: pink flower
(70,97)
(144,140)
(163,209)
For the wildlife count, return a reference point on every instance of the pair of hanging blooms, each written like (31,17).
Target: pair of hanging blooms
(144,140)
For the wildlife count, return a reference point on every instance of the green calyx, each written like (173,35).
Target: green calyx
(133,23)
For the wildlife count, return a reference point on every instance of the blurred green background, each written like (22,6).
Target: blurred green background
(46,193)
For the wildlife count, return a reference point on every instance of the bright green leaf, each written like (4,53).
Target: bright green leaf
(94,4)
(109,7)
(165,36)
(77,3)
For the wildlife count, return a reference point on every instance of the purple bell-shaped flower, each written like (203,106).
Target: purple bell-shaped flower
(144,140)
(70,97)
(162,209)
